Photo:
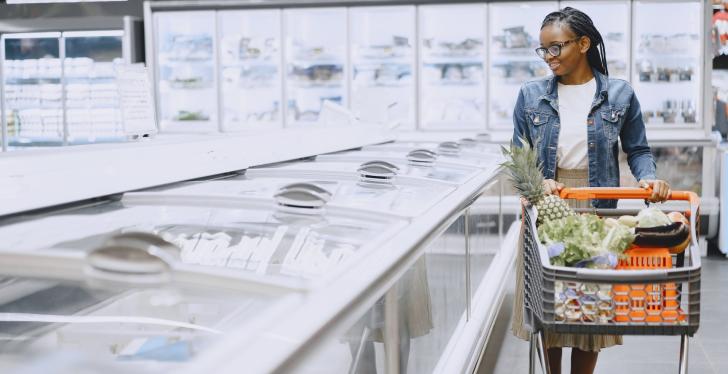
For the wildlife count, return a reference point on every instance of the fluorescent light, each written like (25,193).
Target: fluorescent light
(53,1)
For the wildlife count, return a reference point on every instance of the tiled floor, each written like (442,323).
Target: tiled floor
(708,350)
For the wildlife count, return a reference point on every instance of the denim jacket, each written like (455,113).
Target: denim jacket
(615,116)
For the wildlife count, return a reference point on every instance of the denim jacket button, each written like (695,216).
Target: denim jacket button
(589,121)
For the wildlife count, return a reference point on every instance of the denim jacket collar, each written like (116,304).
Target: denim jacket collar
(551,94)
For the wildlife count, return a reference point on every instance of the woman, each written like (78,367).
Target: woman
(577,118)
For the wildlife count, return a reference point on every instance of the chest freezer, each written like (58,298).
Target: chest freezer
(122,307)
(373,187)
(468,147)
(418,164)
(294,236)
(443,153)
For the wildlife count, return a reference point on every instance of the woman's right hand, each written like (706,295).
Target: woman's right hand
(552,187)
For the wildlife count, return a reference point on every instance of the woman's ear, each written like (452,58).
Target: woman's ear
(584,44)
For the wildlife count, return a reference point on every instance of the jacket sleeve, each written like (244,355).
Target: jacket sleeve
(634,143)
(520,127)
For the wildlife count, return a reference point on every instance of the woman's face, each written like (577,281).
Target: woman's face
(573,50)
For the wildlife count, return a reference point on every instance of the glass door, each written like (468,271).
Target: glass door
(33,107)
(452,59)
(383,57)
(316,52)
(250,63)
(92,99)
(514,32)
(612,20)
(667,72)
(186,71)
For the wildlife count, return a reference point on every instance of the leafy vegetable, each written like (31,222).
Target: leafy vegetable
(584,237)
(652,217)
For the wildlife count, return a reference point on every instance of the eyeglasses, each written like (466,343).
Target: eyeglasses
(554,50)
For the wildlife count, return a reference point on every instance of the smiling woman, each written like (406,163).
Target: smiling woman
(576,120)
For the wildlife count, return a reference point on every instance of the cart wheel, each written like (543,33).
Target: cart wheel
(684,354)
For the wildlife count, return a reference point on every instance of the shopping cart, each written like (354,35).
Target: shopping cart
(663,298)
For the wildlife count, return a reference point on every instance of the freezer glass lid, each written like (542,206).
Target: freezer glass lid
(469,145)
(255,237)
(426,167)
(373,189)
(52,325)
(450,155)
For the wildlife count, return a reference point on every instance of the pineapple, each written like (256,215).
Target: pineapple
(527,178)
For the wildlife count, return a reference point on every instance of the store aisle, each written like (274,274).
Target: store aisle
(506,354)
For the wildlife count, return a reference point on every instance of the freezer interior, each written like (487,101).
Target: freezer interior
(295,238)
(89,324)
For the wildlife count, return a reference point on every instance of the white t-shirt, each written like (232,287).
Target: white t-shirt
(574,104)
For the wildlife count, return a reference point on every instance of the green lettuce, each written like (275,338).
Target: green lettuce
(584,237)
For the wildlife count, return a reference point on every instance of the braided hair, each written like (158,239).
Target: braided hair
(581,25)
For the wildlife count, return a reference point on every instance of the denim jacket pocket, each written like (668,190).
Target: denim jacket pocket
(539,123)
(612,120)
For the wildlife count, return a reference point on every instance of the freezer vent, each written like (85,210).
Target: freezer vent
(421,157)
(302,198)
(133,257)
(468,142)
(377,173)
(449,148)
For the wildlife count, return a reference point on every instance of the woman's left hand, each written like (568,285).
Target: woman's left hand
(660,189)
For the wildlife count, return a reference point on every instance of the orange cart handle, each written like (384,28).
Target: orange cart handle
(624,193)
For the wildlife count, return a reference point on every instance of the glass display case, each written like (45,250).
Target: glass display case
(382,42)
(316,61)
(680,166)
(667,73)
(33,89)
(611,18)
(452,57)
(514,32)
(290,236)
(91,93)
(121,308)
(250,63)
(186,70)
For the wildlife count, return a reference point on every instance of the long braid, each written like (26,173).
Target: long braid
(582,25)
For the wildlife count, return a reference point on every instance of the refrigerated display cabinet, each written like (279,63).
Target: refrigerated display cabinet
(612,20)
(59,87)
(123,307)
(316,61)
(186,68)
(667,75)
(332,225)
(383,51)
(452,58)
(250,69)
(514,32)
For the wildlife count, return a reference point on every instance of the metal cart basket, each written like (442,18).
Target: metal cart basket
(661,298)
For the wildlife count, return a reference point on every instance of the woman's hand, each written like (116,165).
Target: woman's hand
(552,187)
(660,189)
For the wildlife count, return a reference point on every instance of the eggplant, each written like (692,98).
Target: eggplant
(661,236)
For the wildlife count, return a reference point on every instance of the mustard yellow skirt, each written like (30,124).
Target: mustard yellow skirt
(584,342)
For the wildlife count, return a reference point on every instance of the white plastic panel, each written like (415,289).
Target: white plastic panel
(316,54)
(186,63)
(667,71)
(250,63)
(382,43)
(452,59)
(514,32)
